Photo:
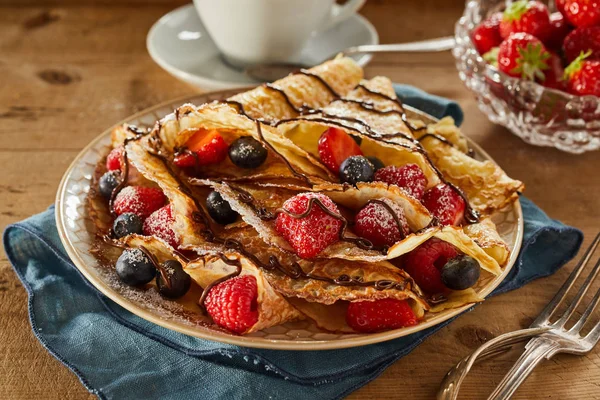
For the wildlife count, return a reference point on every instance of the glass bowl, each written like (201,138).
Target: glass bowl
(539,115)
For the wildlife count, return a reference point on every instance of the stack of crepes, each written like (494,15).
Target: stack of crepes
(288,117)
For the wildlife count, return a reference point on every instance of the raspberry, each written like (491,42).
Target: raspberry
(424,264)
(113,160)
(233,304)
(445,204)
(380,315)
(376,223)
(409,177)
(208,147)
(139,200)
(160,224)
(310,235)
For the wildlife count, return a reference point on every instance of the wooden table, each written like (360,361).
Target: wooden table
(70,71)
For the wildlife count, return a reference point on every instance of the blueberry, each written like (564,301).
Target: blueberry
(247,152)
(108,182)
(180,280)
(356,169)
(126,224)
(219,209)
(135,268)
(357,139)
(460,272)
(377,163)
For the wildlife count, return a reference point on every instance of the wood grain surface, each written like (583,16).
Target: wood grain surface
(70,69)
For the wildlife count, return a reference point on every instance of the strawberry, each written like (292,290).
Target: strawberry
(583,76)
(444,203)
(233,304)
(335,146)
(582,12)
(409,177)
(424,264)
(377,224)
(160,224)
(486,35)
(582,40)
(558,30)
(380,315)
(526,16)
(113,160)
(553,76)
(311,234)
(208,146)
(139,200)
(560,6)
(523,56)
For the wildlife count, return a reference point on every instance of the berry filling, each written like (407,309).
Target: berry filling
(203,148)
(380,315)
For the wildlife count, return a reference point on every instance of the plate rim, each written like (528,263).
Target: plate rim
(249,341)
(204,82)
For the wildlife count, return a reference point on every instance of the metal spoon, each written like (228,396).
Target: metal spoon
(273,71)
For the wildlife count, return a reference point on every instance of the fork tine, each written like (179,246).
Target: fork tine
(594,336)
(577,300)
(560,295)
(588,311)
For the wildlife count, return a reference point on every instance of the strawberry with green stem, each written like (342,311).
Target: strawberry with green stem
(530,17)
(583,76)
(523,56)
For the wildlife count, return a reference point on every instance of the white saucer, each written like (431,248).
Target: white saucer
(179,43)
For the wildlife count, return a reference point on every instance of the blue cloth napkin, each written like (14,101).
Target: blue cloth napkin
(117,355)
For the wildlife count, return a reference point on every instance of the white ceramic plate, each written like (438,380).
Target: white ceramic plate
(77,233)
(179,43)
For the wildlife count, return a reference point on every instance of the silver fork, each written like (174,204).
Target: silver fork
(548,338)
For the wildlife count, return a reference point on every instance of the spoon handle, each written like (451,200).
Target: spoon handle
(432,45)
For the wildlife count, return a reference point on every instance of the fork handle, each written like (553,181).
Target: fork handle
(536,350)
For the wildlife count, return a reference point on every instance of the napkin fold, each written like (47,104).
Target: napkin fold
(116,354)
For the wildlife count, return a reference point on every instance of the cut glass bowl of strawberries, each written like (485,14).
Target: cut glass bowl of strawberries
(535,68)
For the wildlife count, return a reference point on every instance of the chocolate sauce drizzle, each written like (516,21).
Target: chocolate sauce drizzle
(323,82)
(264,141)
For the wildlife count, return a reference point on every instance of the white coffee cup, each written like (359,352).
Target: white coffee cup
(257,31)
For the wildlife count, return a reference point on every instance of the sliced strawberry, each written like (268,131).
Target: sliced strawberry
(380,315)
(335,146)
(444,203)
(311,234)
(160,224)
(208,147)
(113,160)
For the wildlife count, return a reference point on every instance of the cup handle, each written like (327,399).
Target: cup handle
(339,14)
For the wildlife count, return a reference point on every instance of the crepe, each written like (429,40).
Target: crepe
(287,118)
(273,199)
(373,112)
